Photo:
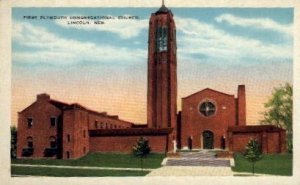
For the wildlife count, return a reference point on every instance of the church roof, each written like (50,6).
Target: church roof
(208,89)
(65,106)
(59,104)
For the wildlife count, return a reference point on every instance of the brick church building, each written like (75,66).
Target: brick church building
(208,119)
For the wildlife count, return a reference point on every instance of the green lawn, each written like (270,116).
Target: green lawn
(275,164)
(101,160)
(56,172)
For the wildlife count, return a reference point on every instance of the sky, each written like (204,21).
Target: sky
(104,66)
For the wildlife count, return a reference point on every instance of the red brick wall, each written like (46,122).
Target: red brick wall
(81,136)
(282,139)
(125,143)
(241,140)
(270,142)
(241,105)
(40,111)
(68,129)
(76,125)
(194,123)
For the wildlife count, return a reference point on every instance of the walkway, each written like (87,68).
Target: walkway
(81,167)
(202,163)
(191,171)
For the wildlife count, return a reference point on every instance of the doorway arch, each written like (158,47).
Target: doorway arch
(208,139)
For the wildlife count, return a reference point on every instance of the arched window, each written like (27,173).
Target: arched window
(29,142)
(52,142)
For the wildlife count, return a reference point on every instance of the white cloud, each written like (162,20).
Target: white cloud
(124,28)
(218,45)
(258,23)
(53,49)
(194,38)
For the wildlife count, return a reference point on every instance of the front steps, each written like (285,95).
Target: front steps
(201,158)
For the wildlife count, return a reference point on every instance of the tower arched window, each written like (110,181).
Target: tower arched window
(161,38)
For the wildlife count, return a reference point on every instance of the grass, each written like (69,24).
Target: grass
(273,164)
(100,160)
(56,172)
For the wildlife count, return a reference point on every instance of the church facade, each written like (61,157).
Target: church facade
(208,119)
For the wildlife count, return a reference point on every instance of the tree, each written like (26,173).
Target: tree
(252,152)
(141,149)
(13,142)
(280,111)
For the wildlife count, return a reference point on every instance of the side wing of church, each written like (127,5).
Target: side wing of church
(208,119)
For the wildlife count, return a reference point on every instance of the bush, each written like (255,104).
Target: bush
(252,152)
(141,149)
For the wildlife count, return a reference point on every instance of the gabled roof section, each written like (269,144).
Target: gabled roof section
(59,104)
(208,89)
(27,107)
(65,106)
(104,114)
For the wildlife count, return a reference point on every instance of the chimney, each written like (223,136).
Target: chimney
(241,105)
(43,97)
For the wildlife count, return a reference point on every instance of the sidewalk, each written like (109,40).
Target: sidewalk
(81,167)
(191,171)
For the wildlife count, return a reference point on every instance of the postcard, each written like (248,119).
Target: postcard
(150,92)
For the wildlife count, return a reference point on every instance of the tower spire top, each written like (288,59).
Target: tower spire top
(163,8)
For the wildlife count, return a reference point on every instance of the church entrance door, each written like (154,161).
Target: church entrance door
(208,140)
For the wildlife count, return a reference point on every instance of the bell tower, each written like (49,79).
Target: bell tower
(162,70)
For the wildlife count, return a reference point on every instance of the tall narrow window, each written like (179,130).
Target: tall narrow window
(52,142)
(96,124)
(29,142)
(53,121)
(83,133)
(68,155)
(164,39)
(68,137)
(29,122)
